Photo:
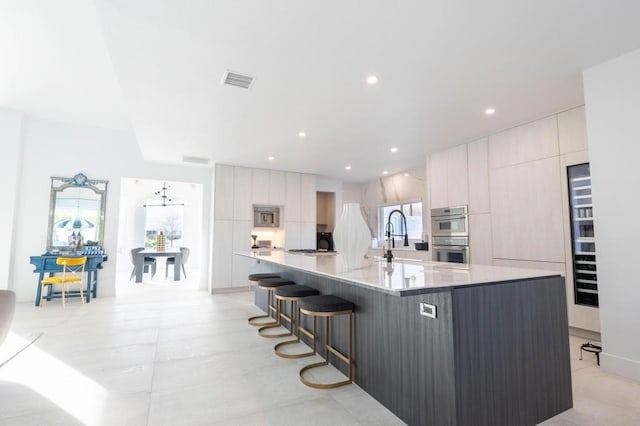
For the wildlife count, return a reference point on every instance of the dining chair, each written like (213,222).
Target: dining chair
(148,262)
(172,261)
(72,273)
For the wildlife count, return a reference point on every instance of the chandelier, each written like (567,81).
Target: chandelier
(166,201)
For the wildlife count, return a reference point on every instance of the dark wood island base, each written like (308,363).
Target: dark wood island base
(493,353)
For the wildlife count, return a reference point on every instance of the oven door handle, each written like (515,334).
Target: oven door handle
(451,248)
(443,218)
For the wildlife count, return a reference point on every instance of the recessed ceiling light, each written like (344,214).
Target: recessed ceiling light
(490,111)
(302,134)
(372,79)
(394,149)
(384,172)
(271,158)
(406,175)
(347,167)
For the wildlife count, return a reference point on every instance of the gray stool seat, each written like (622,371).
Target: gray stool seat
(258,277)
(295,291)
(274,282)
(325,303)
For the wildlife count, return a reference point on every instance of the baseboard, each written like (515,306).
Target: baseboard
(592,336)
(623,366)
(230,290)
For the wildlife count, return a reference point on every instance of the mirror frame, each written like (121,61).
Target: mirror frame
(58,185)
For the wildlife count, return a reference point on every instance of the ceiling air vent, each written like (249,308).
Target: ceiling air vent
(196,160)
(238,80)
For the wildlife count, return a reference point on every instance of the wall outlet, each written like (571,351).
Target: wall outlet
(427,310)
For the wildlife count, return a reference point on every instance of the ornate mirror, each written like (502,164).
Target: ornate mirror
(76,212)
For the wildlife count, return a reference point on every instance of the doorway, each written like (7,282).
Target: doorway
(148,207)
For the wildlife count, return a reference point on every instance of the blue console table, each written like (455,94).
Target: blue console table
(47,264)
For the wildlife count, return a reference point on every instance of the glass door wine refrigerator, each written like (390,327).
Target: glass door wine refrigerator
(585,276)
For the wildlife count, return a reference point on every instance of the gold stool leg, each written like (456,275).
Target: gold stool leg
(328,349)
(297,327)
(278,323)
(253,320)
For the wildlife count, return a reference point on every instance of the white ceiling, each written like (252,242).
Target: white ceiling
(155,67)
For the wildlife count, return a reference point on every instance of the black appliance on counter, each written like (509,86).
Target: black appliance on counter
(324,241)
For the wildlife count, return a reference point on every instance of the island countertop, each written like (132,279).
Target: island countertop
(402,277)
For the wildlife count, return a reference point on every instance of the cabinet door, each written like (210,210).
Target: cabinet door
(223,207)
(478,152)
(308,235)
(222,244)
(260,186)
(438,179)
(457,176)
(292,204)
(276,188)
(242,189)
(292,235)
(308,198)
(480,239)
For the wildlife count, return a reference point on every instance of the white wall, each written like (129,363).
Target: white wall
(11,129)
(57,149)
(612,94)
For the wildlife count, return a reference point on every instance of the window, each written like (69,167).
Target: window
(413,213)
(167,219)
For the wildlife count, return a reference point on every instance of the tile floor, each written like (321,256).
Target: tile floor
(160,354)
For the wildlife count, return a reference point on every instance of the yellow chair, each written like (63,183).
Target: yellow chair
(72,273)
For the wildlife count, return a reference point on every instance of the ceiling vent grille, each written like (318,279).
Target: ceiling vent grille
(238,80)
(196,160)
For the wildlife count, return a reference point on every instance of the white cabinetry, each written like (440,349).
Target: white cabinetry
(260,186)
(242,189)
(292,235)
(276,188)
(478,153)
(308,198)
(457,176)
(222,253)
(292,200)
(308,235)
(438,179)
(223,207)
(448,177)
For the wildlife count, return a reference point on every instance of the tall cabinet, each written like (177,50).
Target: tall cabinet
(585,276)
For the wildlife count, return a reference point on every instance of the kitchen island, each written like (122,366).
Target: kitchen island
(448,344)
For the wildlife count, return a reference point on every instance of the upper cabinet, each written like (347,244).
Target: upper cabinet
(292,202)
(224,189)
(276,188)
(572,131)
(478,153)
(448,177)
(307,198)
(529,142)
(242,194)
(260,186)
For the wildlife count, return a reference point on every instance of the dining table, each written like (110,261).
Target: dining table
(138,261)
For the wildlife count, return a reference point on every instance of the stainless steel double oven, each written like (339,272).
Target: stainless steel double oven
(450,230)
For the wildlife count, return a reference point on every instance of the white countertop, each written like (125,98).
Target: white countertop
(402,276)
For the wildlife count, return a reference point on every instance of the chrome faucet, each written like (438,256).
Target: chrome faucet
(391,243)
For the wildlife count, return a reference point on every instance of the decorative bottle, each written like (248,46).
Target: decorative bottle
(161,242)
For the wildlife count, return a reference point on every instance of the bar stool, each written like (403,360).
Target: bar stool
(327,306)
(254,278)
(293,293)
(270,284)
